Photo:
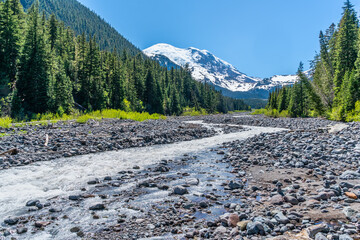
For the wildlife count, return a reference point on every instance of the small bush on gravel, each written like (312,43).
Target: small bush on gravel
(5,122)
(192,112)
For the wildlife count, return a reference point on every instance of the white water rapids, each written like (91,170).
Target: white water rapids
(64,177)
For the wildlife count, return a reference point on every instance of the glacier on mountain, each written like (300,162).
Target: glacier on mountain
(206,67)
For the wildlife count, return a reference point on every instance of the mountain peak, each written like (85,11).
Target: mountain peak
(206,67)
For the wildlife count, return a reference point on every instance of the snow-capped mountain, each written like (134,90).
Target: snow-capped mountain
(206,67)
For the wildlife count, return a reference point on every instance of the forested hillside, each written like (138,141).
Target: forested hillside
(83,20)
(334,90)
(50,69)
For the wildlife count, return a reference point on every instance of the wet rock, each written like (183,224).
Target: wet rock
(179,190)
(93,182)
(108,178)
(203,204)
(75,198)
(21,230)
(40,224)
(234,185)
(97,207)
(192,181)
(161,169)
(55,210)
(32,203)
(11,221)
(74,229)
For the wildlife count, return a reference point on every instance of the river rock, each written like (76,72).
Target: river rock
(349,212)
(97,207)
(253,228)
(220,230)
(234,185)
(291,199)
(32,203)
(315,229)
(349,175)
(11,221)
(233,220)
(277,200)
(74,197)
(345,237)
(192,181)
(179,190)
(243,224)
(281,218)
(320,236)
(21,230)
(351,195)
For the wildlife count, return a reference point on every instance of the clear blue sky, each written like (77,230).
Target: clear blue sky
(259,37)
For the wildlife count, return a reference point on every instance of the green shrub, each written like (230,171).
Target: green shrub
(193,112)
(259,111)
(5,122)
(84,118)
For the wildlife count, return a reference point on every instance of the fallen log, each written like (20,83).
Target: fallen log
(12,151)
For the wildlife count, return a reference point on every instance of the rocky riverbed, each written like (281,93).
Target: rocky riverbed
(277,179)
(42,142)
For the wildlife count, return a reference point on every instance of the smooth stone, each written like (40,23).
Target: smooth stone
(233,220)
(97,207)
(21,230)
(281,218)
(315,229)
(32,203)
(242,225)
(253,228)
(180,190)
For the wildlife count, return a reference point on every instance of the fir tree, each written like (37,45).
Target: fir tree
(32,85)
(345,48)
(10,37)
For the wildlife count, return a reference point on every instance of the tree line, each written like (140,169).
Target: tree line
(333,90)
(46,67)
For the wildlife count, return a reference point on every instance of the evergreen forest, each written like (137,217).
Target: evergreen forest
(47,67)
(332,89)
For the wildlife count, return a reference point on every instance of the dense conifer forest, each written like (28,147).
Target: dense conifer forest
(46,67)
(333,90)
(82,20)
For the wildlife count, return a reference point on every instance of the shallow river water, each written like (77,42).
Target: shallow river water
(64,177)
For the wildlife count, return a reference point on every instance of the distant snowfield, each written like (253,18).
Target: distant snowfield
(206,67)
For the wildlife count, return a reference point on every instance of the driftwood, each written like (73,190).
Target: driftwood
(13,151)
(46,140)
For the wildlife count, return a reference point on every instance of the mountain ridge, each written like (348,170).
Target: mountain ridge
(206,67)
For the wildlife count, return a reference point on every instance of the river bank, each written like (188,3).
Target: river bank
(279,178)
